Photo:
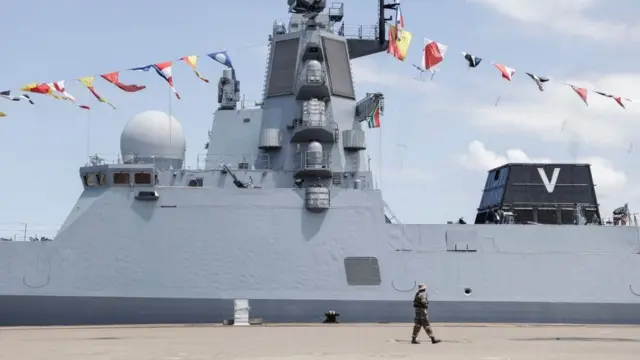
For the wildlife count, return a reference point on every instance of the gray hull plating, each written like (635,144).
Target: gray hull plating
(47,310)
(151,269)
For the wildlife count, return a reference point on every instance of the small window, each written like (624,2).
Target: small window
(243,165)
(246,120)
(121,178)
(143,178)
(362,271)
(93,179)
(90,180)
(197,182)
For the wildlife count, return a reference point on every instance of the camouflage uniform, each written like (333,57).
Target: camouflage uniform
(421,318)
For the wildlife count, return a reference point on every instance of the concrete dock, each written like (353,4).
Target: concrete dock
(340,341)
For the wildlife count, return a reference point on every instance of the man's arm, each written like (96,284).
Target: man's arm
(424,300)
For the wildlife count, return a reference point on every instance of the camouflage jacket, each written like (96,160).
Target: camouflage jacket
(420,301)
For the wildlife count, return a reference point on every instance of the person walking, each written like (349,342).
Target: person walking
(421,318)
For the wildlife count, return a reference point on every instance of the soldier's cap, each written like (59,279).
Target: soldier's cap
(421,286)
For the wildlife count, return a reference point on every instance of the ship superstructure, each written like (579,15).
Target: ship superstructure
(285,214)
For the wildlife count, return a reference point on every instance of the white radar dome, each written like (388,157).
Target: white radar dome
(153,137)
(314,65)
(315,146)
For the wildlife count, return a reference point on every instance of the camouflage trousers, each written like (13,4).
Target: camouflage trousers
(421,320)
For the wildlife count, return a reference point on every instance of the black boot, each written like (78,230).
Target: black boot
(434,340)
(414,341)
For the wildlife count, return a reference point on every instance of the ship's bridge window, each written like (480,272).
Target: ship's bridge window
(121,178)
(143,178)
(93,179)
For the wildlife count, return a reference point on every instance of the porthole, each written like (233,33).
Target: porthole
(467,291)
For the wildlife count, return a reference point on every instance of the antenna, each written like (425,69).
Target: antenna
(170,113)
(382,19)
(403,147)
(88,133)
(308,8)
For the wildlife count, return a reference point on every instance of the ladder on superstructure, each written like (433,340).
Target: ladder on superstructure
(389,216)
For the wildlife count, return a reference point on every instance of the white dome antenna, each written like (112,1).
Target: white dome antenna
(153,137)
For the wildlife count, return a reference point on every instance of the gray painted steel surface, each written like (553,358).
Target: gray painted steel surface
(178,245)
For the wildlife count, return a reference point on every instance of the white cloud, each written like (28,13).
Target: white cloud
(568,17)
(608,180)
(559,114)
(479,157)
(611,184)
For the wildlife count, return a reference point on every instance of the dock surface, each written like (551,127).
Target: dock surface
(307,342)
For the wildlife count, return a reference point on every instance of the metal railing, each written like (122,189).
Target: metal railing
(203,161)
(249,103)
(234,161)
(631,221)
(336,9)
(117,158)
(361,32)
(265,88)
(302,123)
(313,160)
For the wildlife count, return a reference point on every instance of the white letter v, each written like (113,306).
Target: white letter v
(549,185)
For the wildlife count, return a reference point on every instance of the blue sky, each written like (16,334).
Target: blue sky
(437,139)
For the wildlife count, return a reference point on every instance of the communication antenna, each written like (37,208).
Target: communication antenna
(402,147)
(170,113)
(88,134)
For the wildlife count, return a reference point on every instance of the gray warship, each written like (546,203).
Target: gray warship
(286,215)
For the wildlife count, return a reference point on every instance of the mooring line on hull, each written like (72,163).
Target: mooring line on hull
(414,286)
(633,292)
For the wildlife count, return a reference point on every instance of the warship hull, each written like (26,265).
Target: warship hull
(63,310)
(294,266)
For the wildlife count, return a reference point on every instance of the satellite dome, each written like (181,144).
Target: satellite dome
(315,146)
(314,65)
(153,137)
